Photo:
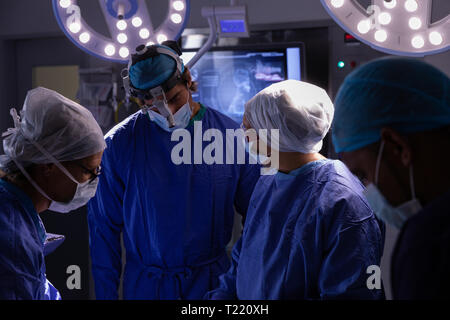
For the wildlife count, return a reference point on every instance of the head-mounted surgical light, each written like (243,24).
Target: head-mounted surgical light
(128,22)
(401,27)
(157,93)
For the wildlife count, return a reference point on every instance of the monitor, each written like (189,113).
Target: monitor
(228,78)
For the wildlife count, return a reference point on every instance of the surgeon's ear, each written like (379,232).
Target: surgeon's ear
(400,145)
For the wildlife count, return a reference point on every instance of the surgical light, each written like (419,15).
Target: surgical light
(384,18)
(435,38)
(128,21)
(390,4)
(121,25)
(162,38)
(337,3)
(65,3)
(136,22)
(124,52)
(415,23)
(417,42)
(364,26)
(110,50)
(85,37)
(144,33)
(75,27)
(178,5)
(401,27)
(381,35)
(411,5)
(176,18)
(122,38)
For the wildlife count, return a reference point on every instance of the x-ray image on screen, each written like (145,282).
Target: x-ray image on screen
(228,79)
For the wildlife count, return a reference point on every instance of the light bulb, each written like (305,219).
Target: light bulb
(124,52)
(75,27)
(390,4)
(364,26)
(415,23)
(85,37)
(384,18)
(435,38)
(381,35)
(337,3)
(122,38)
(411,5)
(65,3)
(176,18)
(110,50)
(144,33)
(137,22)
(178,5)
(417,42)
(162,38)
(121,25)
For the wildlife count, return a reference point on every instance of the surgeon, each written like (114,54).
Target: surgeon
(392,128)
(309,232)
(52,160)
(176,217)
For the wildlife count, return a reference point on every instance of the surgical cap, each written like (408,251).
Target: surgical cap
(405,94)
(63,128)
(302,113)
(152,72)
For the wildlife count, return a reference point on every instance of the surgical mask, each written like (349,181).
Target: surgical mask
(395,216)
(84,192)
(182,118)
(258,158)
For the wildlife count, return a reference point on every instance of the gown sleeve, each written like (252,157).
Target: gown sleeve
(105,220)
(227,286)
(353,244)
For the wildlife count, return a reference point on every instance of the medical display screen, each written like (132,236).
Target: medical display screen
(228,79)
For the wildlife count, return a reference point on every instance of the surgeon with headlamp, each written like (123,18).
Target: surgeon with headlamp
(176,219)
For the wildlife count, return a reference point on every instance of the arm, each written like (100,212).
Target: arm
(249,176)
(354,243)
(105,221)
(227,286)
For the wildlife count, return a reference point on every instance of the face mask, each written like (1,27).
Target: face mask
(85,191)
(181,118)
(250,148)
(395,216)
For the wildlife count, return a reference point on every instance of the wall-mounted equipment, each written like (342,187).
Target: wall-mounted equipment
(128,22)
(400,27)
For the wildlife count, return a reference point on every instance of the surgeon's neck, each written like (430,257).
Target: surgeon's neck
(290,161)
(39,201)
(195,107)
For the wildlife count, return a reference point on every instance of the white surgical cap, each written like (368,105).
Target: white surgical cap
(63,128)
(301,111)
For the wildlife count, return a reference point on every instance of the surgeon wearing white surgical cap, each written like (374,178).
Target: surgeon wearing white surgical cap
(309,233)
(52,160)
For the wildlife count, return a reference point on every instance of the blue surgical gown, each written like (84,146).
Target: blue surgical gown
(308,235)
(22,237)
(176,219)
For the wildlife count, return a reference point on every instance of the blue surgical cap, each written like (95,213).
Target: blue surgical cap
(153,72)
(405,94)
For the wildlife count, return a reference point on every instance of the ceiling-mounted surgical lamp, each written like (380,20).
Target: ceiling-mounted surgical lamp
(129,25)
(400,27)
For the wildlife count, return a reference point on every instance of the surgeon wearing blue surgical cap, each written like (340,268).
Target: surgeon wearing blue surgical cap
(309,233)
(392,128)
(176,219)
